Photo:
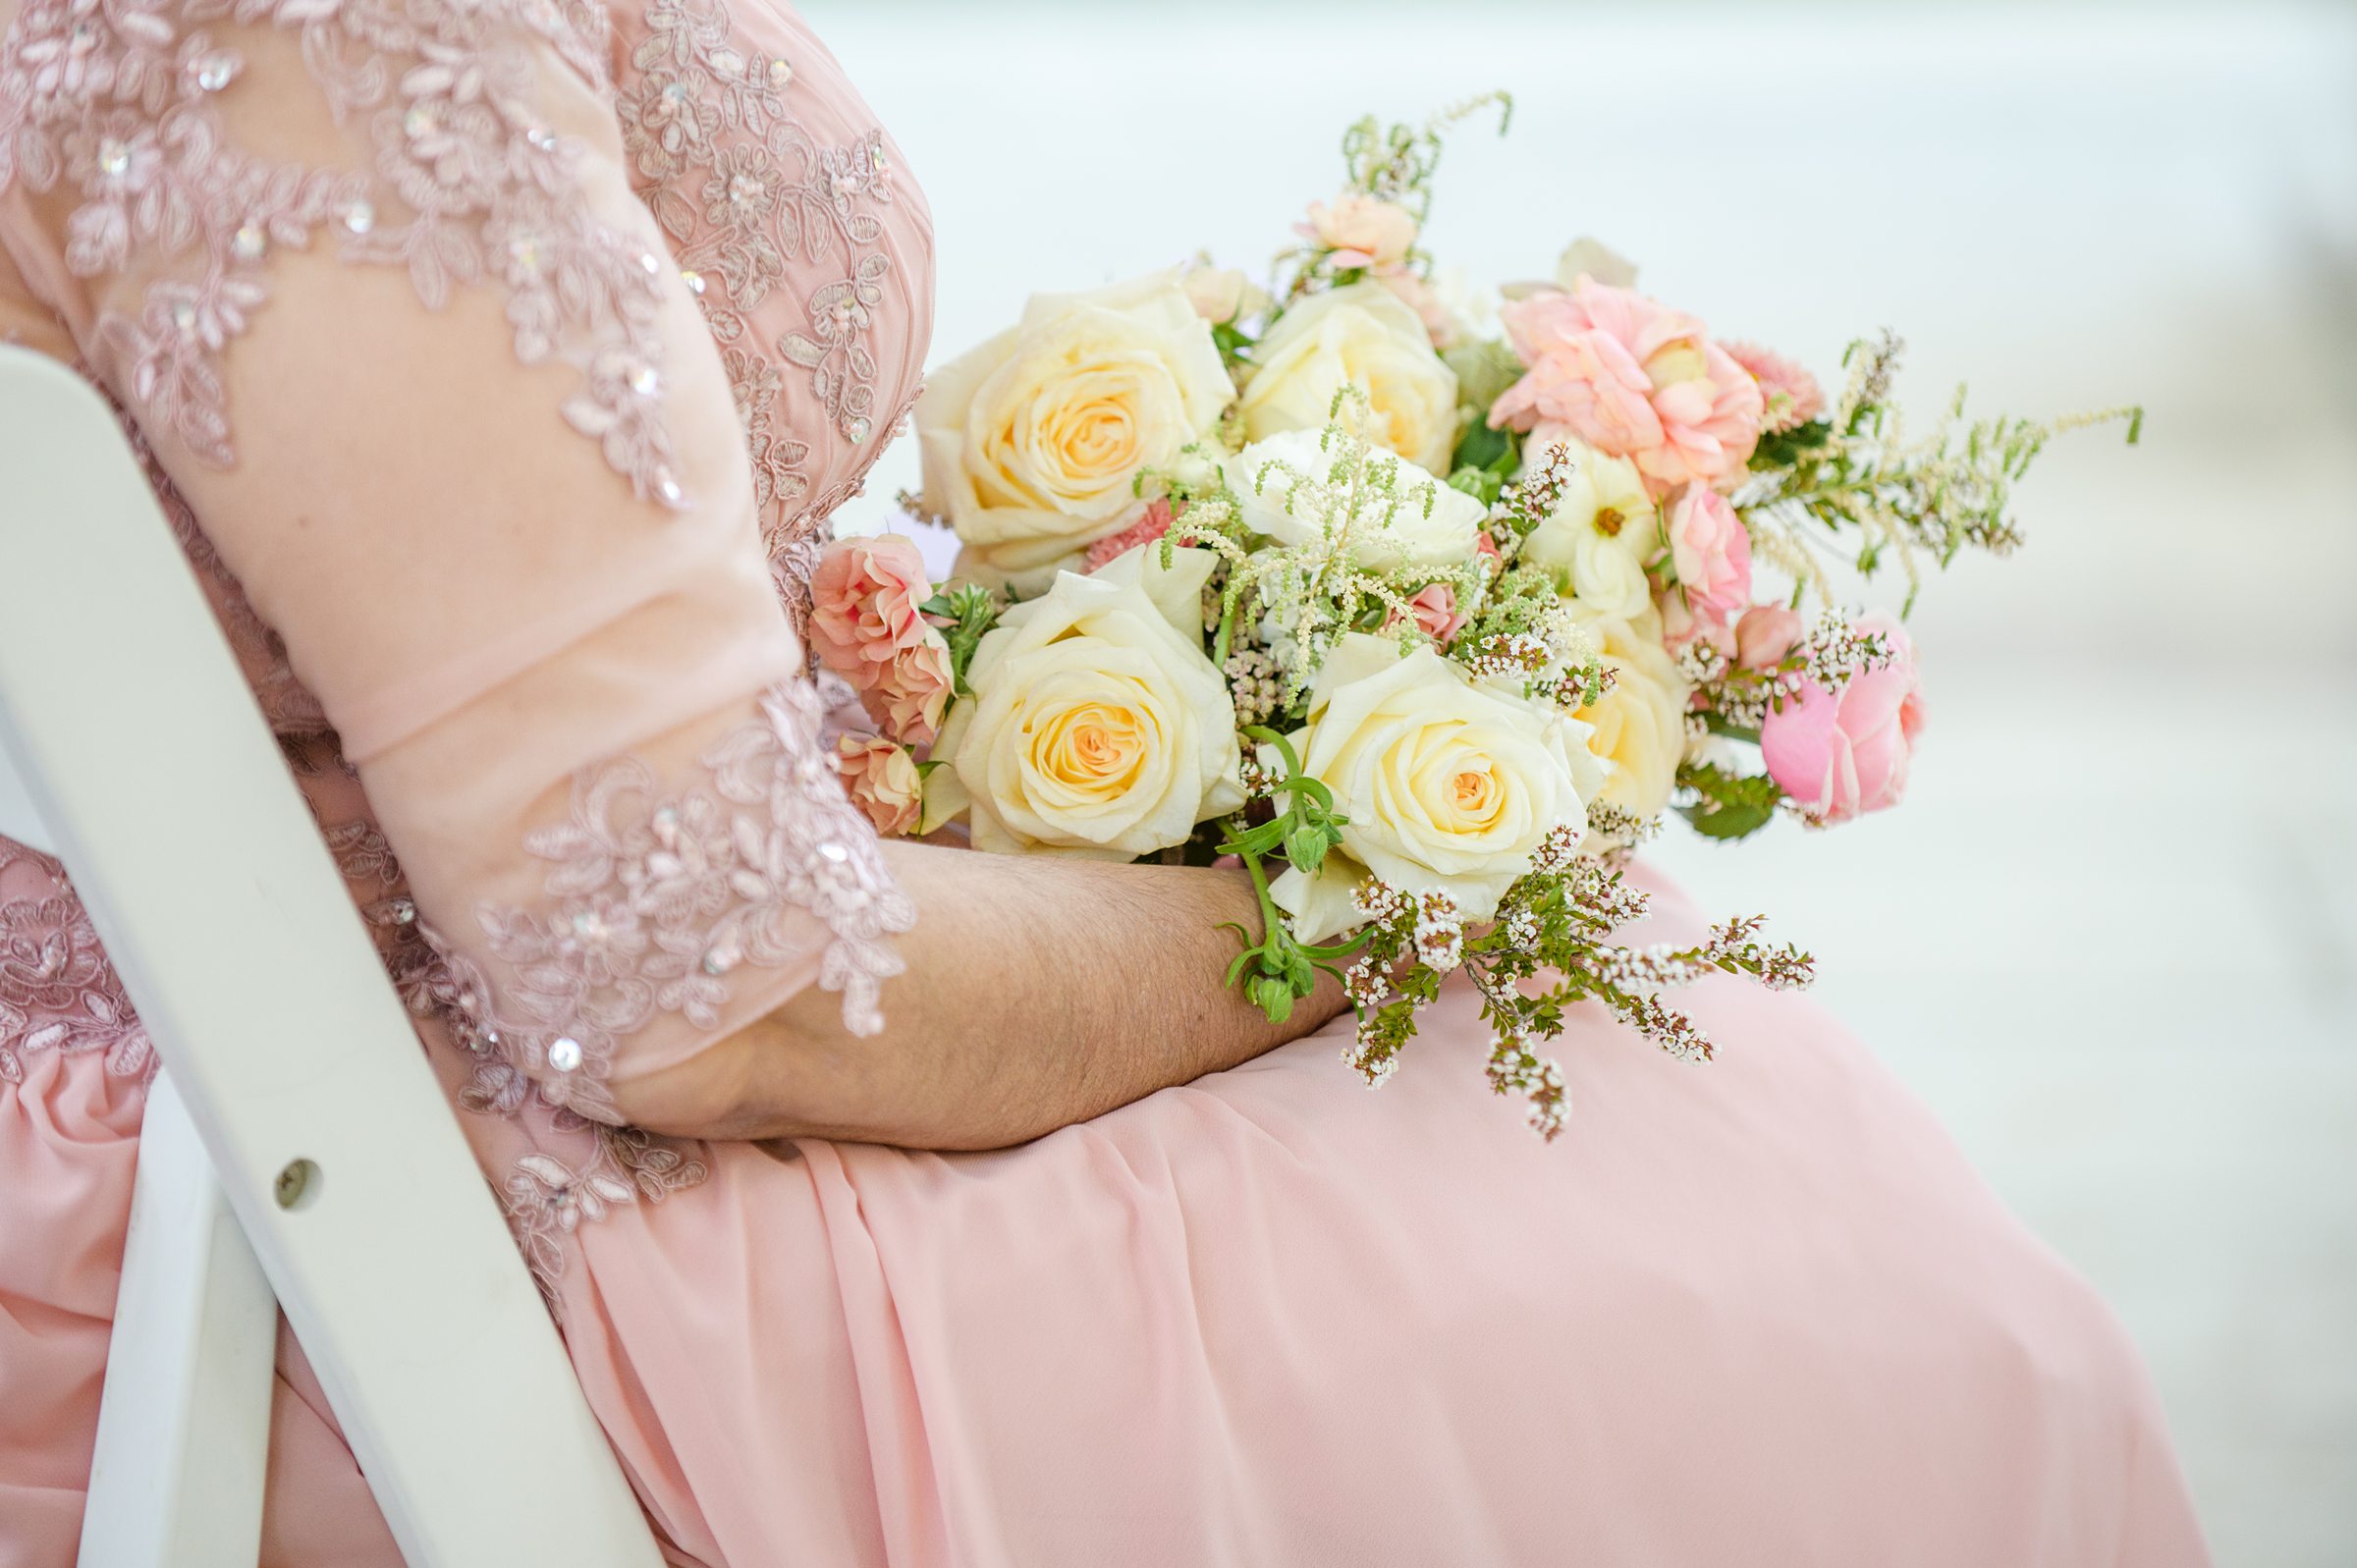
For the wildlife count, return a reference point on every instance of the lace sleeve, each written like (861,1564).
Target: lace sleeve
(371,277)
(795,228)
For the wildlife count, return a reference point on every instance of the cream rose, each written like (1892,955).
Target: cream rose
(1448,783)
(1365,335)
(1602,532)
(1640,726)
(1433,524)
(1031,442)
(1097,727)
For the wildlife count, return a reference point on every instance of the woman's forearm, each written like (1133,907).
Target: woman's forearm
(1040,991)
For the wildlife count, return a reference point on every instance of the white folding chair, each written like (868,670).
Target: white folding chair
(298,1146)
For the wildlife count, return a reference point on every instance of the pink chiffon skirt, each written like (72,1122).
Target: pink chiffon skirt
(1755,1311)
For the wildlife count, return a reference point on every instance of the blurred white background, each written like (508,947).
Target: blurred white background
(2111,936)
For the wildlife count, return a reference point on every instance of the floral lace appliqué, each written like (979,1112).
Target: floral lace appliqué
(743,189)
(547,1199)
(656,901)
(57,989)
(121,98)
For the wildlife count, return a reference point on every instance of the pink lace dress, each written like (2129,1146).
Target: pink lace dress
(498,362)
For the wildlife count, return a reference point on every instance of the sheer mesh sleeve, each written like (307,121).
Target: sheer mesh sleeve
(370,275)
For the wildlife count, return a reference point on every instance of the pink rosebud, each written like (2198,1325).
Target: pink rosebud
(1633,379)
(1223,293)
(1789,394)
(1437,617)
(883,782)
(1484,545)
(1842,756)
(908,697)
(1681,626)
(1764,636)
(1440,322)
(1151,524)
(1712,553)
(864,600)
(1362,231)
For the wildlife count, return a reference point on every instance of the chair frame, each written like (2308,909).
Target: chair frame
(342,1174)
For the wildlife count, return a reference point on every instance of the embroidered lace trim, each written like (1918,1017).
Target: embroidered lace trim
(576,1171)
(655,900)
(118,97)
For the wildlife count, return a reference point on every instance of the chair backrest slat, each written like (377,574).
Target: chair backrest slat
(165,796)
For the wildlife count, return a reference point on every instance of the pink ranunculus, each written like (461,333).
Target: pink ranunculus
(1790,395)
(1764,636)
(882,779)
(1362,231)
(1633,379)
(1153,521)
(1437,615)
(1712,552)
(864,600)
(908,697)
(1841,756)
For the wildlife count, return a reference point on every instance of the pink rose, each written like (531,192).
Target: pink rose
(1841,756)
(1632,379)
(882,779)
(1790,395)
(1151,524)
(1436,611)
(1362,231)
(1764,636)
(864,600)
(908,697)
(1712,552)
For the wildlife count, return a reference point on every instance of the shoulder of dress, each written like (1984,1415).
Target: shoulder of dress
(448,169)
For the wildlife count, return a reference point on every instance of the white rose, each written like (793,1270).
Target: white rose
(1448,783)
(1031,442)
(1364,335)
(1640,726)
(1602,532)
(1281,482)
(1097,725)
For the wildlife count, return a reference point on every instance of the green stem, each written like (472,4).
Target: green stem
(1732,731)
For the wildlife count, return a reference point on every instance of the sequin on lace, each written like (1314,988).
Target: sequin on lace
(121,100)
(57,991)
(656,901)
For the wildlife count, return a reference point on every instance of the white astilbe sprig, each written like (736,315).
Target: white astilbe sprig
(1290,603)
(1547,946)
(1855,483)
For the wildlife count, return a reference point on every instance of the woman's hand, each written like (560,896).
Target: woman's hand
(1040,991)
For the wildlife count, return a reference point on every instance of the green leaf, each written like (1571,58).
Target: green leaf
(1728,805)
(1787,446)
(1484,449)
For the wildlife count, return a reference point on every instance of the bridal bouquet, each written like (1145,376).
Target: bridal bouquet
(1424,622)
